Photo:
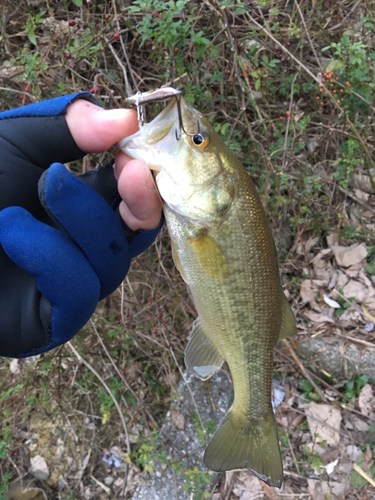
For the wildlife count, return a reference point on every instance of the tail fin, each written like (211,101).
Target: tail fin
(243,444)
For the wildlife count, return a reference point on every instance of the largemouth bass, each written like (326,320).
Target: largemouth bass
(224,250)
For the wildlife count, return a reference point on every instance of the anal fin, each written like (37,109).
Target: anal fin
(288,323)
(201,356)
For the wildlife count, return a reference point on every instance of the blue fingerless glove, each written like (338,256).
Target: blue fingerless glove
(63,246)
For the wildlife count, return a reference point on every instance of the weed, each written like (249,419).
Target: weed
(195,483)
(308,389)
(353,387)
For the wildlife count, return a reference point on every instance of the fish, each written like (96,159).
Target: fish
(223,247)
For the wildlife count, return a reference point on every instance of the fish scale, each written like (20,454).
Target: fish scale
(223,247)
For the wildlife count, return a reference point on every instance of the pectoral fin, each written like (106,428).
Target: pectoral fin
(211,257)
(176,261)
(288,323)
(201,356)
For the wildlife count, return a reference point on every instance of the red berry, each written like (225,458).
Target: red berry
(106,16)
(154,331)
(175,50)
(116,35)
(72,22)
(92,91)
(285,71)
(148,44)
(72,65)
(282,59)
(27,89)
(68,55)
(288,44)
(276,48)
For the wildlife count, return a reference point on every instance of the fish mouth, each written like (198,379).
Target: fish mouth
(155,139)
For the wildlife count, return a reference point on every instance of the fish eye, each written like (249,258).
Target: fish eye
(201,140)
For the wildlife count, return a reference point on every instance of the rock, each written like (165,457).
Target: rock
(366,401)
(353,452)
(178,442)
(341,361)
(349,256)
(14,367)
(39,468)
(178,419)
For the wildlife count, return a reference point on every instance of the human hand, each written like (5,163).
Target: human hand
(62,248)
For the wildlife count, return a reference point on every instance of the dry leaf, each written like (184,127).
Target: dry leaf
(367,462)
(355,289)
(349,256)
(321,490)
(318,318)
(351,315)
(309,244)
(324,422)
(361,195)
(339,280)
(322,266)
(19,493)
(362,181)
(269,491)
(332,239)
(366,401)
(308,291)
(246,482)
(178,419)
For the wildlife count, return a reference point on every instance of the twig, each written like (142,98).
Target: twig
(357,341)
(362,473)
(121,375)
(288,122)
(119,62)
(304,372)
(103,486)
(307,33)
(346,17)
(18,92)
(79,357)
(334,102)
(186,382)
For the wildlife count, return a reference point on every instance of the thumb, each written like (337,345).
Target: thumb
(95,129)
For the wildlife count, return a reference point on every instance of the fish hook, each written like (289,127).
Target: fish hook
(180,122)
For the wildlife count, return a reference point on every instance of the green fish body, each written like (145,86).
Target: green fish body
(224,250)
